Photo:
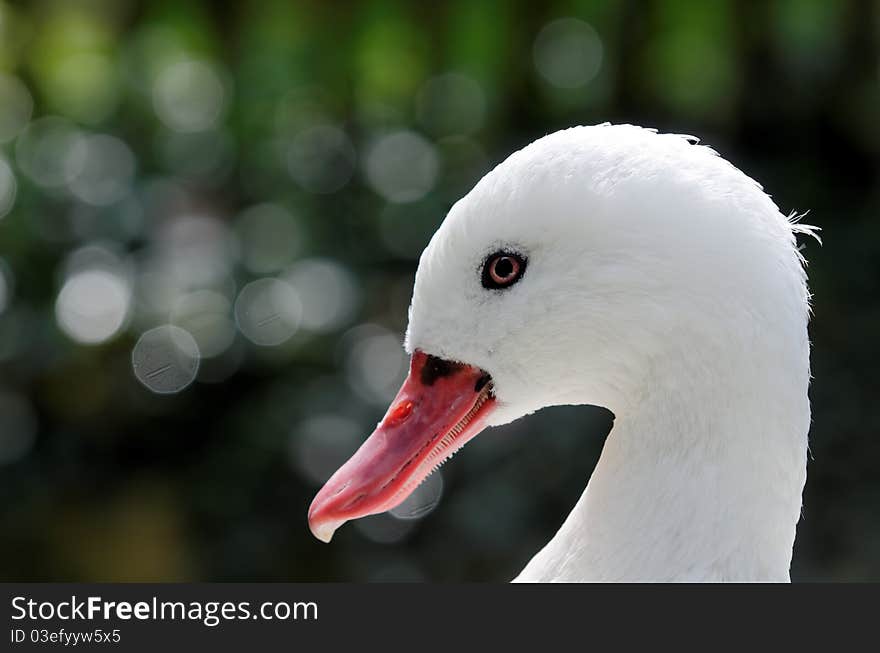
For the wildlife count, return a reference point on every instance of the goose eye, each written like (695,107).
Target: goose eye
(502,270)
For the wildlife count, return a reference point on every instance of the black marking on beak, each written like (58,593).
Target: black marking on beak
(436,368)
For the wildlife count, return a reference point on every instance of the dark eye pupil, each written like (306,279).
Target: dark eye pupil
(504,267)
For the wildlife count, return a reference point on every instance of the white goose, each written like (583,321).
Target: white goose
(615,266)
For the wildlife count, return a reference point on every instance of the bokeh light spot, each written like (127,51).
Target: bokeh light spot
(104,171)
(327,291)
(190,252)
(423,499)
(165,359)
(268,311)
(402,166)
(207,316)
(375,363)
(49,151)
(92,305)
(97,255)
(189,96)
(321,444)
(568,53)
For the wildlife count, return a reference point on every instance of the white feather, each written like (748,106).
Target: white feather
(665,285)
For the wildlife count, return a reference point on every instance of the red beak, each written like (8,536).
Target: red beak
(441,406)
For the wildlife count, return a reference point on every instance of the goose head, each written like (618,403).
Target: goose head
(578,271)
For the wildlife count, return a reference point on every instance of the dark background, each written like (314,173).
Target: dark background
(157,158)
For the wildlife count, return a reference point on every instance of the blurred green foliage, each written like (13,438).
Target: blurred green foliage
(156,158)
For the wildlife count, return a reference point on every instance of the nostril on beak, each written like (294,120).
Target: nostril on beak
(399,413)
(339,491)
